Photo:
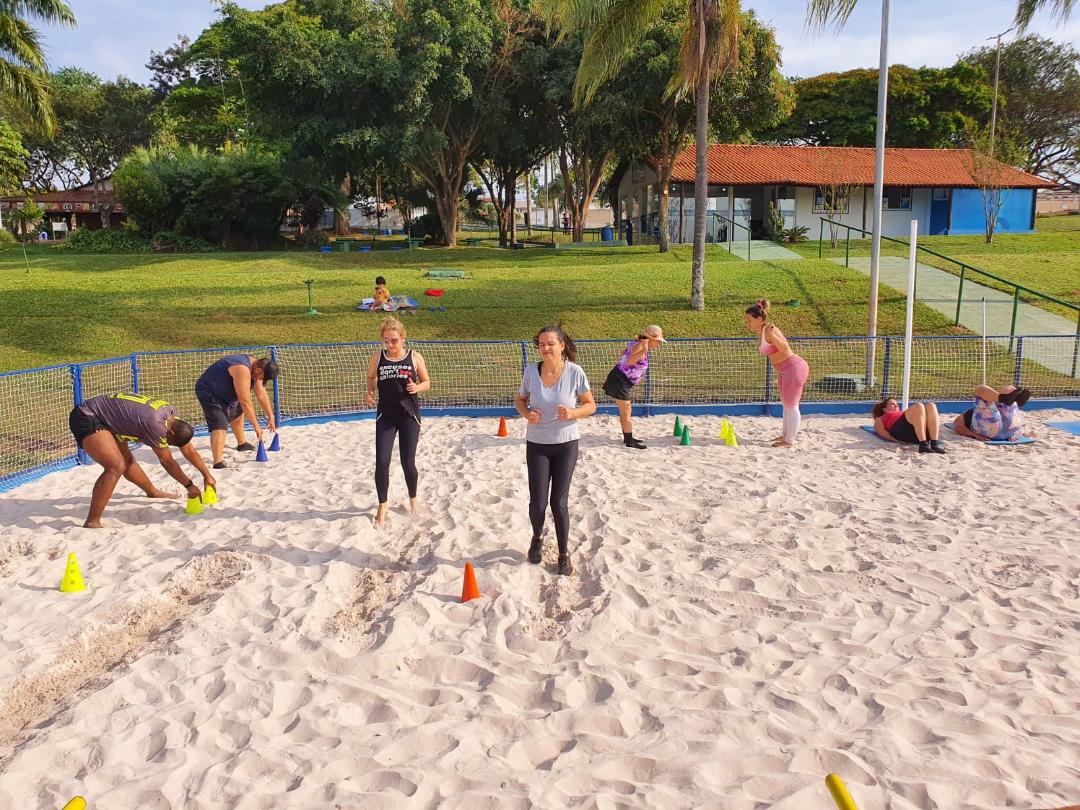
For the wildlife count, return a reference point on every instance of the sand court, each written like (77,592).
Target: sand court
(742,622)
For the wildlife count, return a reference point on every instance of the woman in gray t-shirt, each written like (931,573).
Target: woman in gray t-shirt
(554,395)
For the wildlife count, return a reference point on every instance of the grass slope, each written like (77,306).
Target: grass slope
(80,307)
(1047,261)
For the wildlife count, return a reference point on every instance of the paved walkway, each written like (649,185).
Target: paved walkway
(937,289)
(760,249)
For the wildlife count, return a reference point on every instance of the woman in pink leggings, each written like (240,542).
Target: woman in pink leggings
(790,368)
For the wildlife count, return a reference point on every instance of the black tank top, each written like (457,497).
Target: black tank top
(393,376)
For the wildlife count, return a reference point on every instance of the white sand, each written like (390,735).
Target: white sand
(743,621)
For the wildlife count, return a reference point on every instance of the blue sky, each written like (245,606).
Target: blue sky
(117,36)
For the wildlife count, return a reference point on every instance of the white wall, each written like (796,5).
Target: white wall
(893,223)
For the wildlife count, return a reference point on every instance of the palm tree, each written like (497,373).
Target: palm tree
(22,63)
(709,48)
(823,12)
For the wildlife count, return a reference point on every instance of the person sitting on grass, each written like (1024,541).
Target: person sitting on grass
(995,415)
(382,294)
(919,424)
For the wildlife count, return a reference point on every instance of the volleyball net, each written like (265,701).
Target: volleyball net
(483,377)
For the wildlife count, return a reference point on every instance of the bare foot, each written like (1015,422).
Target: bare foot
(93,524)
(380,515)
(414,505)
(781,443)
(160,493)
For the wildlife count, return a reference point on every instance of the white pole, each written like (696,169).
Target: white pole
(879,189)
(984,341)
(909,317)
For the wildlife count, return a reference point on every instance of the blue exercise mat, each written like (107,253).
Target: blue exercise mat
(1003,442)
(1019,439)
(1068,427)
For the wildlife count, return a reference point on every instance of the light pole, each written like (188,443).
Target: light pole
(879,191)
(997,74)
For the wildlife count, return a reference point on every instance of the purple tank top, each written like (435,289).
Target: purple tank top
(636,371)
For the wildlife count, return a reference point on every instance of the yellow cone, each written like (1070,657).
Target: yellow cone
(72,581)
(731,441)
(725,427)
(209,496)
(194,506)
(839,793)
(78,803)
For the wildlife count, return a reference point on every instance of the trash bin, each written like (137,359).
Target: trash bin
(607,234)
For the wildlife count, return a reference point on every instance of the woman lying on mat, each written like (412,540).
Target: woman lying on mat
(996,414)
(919,424)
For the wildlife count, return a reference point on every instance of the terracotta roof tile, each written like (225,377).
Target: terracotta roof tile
(760,164)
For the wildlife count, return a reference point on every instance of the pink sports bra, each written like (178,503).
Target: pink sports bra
(766,347)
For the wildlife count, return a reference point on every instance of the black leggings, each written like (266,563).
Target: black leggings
(407,430)
(551,465)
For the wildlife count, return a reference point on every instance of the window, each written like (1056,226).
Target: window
(896,198)
(831,200)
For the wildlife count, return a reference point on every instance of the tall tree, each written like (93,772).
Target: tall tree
(305,80)
(1040,104)
(708,48)
(22,62)
(746,100)
(519,131)
(449,59)
(928,107)
(589,135)
(99,123)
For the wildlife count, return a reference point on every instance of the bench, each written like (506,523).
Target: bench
(414,242)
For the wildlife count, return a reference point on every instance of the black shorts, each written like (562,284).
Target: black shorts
(903,431)
(617,385)
(82,425)
(970,412)
(218,414)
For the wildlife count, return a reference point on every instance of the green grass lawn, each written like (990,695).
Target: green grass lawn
(1047,261)
(78,307)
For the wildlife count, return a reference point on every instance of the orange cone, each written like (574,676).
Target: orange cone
(502,430)
(469,589)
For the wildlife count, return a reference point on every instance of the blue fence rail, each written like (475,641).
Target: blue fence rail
(482,377)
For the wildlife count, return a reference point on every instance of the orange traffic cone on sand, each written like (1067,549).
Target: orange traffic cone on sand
(469,590)
(502,427)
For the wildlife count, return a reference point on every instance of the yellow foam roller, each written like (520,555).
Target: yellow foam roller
(78,803)
(840,792)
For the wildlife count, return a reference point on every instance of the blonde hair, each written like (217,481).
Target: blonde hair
(392,324)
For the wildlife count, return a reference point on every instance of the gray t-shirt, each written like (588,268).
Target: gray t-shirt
(566,390)
(132,417)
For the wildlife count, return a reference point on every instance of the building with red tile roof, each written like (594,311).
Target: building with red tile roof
(935,186)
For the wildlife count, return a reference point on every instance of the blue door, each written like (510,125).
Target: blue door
(939,211)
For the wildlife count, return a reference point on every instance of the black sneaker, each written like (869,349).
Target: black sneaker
(924,447)
(221,465)
(565,568)
(632,442)
(937,447)
(536,550)
(246,447)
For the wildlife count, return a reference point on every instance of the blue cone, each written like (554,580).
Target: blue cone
(275,444)
(261,454)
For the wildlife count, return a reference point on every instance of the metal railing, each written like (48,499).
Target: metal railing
(964,269)
(730,231)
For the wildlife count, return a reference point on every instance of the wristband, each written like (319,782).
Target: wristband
(189,484)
